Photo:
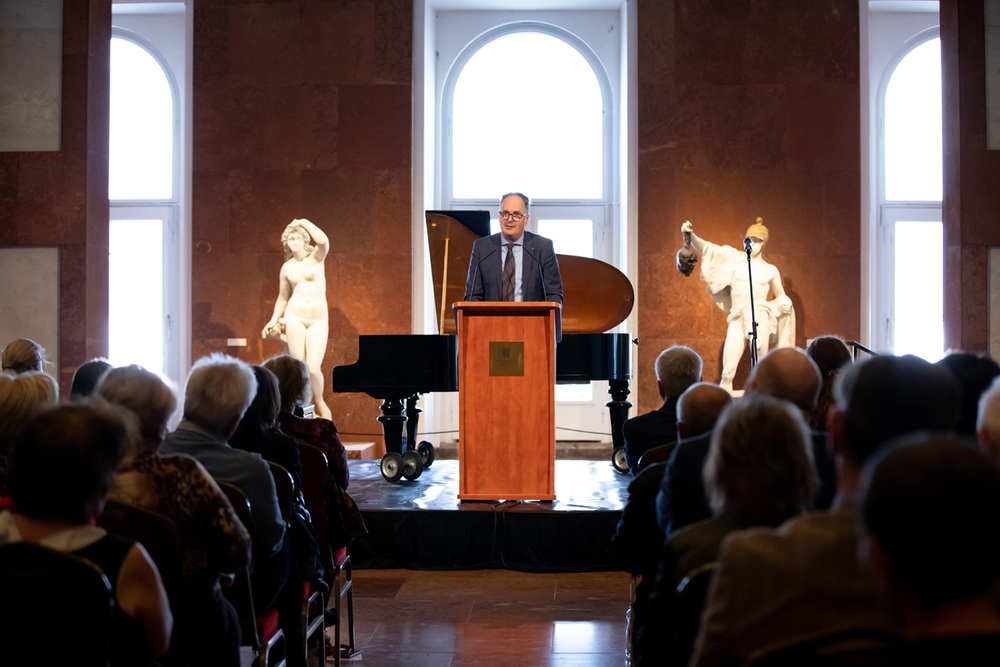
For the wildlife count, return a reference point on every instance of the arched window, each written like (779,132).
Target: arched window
(528,108)
(910,273)
(144,207)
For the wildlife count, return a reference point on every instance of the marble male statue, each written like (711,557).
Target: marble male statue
(724,270)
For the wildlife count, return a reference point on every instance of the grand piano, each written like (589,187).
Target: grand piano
(397,368)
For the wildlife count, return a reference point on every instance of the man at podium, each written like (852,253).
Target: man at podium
(513,265)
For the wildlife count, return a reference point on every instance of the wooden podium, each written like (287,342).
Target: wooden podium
(507,407)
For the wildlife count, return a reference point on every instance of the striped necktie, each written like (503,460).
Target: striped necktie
(508,274)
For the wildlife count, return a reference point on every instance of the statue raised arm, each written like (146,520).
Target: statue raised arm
(724,270)
(301,317)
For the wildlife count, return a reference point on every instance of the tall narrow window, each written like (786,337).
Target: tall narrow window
(144,207)
(528,107)
(910,304)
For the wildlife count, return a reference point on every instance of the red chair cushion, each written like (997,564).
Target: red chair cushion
(306,589)
(340,556)
(267,625)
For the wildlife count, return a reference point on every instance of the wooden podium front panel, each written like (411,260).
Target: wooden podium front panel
(507,423)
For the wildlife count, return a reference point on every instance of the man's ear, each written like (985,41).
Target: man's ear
(682,431)
(986,444)
(659,388)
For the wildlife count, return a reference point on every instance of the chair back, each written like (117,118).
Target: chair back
(315,474)
(657,454)
(691,594)
(160,536)
(240,594)
(37,582)
(284,488)
(856,647)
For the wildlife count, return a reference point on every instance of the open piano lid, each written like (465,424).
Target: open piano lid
(596,295)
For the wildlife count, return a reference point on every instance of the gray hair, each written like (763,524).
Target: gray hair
(677,368)
(760,466)
(524,198)
(218,392)
(700,405)
(988,419)
(144,393)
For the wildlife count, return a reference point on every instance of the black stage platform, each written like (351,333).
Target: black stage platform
(421,525)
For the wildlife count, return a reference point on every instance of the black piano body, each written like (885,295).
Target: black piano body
(397,368)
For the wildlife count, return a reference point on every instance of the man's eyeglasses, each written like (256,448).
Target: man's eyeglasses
(516,216)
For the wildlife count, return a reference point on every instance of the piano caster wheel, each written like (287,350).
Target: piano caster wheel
(426,451)
(413,465)
(619,461)
(391,466)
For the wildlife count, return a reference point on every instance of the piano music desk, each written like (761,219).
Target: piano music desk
(366,451)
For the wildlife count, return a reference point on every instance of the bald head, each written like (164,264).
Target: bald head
(788,373)
(699,408)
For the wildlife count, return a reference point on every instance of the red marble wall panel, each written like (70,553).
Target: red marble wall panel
(302,109)
(60,198)
(971,175)
(747,110)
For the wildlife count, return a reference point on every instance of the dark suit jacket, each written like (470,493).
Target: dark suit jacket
(540,279)
(658,427)
(682,499)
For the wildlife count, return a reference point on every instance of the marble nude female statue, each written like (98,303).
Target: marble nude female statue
(301,317)
(724,270)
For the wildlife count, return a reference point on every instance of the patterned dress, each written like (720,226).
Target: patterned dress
(212,538)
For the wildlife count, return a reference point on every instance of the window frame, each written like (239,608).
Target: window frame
(167,209)
(888,212)
(606,250)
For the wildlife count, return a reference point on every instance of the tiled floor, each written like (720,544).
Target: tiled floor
(489,617)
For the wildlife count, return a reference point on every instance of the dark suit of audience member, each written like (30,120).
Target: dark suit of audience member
(682,499)
(759,473)
(942,589)
(803,579)
(677,368)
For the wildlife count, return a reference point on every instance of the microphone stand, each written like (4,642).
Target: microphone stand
(748,246)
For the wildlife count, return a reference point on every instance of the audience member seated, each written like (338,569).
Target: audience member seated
(22,355)
(213,541)
(804,578)
(87,377)
(343,516)
(830,354)
(988,421)
(61,468)
(974,373)
(258,430)
(677,368)
(938,583)
(786,373)
(21,396)
(759,472)
(218,392)
(639,538)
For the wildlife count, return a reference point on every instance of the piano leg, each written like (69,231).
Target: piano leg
(618,406)
(392,421)
(412,419)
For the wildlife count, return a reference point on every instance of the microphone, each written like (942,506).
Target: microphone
(541,276)
(475,274)
(748,244)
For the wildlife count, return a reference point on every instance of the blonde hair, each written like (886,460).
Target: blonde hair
(144,393)
(23,355)
(21,396)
